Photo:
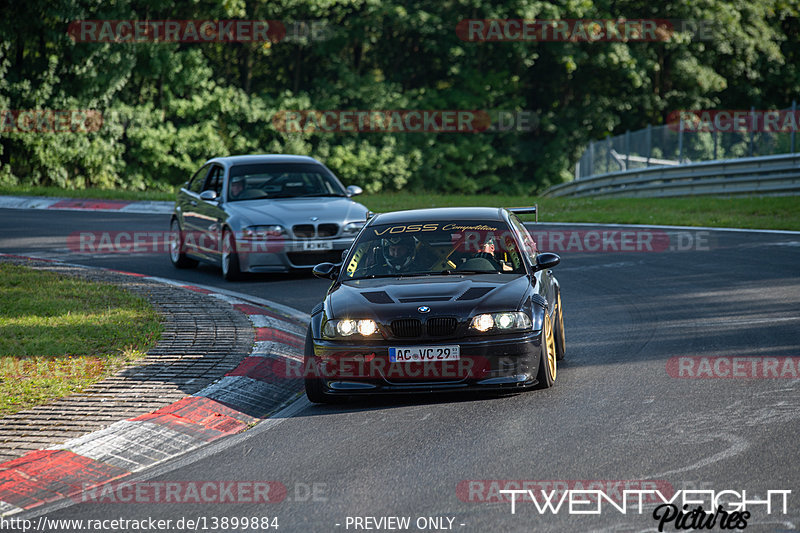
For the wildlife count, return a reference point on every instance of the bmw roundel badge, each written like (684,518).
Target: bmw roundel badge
(423,308)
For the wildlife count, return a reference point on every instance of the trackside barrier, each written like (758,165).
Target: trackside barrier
(774,175)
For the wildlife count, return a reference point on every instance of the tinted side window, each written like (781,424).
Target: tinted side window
(197,181)
(528,244)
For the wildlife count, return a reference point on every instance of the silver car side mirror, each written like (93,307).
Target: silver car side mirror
(208,196)
(354,190)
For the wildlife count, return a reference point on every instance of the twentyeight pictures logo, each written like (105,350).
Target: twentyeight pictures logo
(681,509)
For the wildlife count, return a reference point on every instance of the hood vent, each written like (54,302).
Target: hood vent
(425,299)
(474,293)
(377,297)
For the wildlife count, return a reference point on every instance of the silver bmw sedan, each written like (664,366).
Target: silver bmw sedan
(263,213)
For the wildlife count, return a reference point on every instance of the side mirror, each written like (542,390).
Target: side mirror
(354,190)
(208,196)
(546,260)
(326,270)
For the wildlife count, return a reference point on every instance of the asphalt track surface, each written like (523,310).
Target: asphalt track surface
(615,412)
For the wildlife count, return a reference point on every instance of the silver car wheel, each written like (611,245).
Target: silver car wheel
(174,241)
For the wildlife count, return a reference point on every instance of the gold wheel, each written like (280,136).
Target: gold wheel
(551,346)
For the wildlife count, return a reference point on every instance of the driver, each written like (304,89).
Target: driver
(399,252)
(487,252)
(237,186)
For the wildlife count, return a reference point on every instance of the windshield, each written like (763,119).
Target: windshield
(281,180)
(436,248)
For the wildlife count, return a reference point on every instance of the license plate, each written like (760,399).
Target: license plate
(318,245)
(407,354)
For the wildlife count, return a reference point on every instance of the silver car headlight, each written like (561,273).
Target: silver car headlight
(273,231)
(352,228)
(347,327)
(505,322)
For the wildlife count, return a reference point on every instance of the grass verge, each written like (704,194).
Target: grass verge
(777,212)
(782,212)
(59,334)
(102,194)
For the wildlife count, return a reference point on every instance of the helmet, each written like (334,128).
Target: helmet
(399,252)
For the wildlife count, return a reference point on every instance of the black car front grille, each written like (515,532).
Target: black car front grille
(304,231)
(407,328)
(441,327)
(327,230)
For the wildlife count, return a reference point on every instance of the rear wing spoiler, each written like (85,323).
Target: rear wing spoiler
(526,211)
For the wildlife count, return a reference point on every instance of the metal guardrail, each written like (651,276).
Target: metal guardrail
(774,175)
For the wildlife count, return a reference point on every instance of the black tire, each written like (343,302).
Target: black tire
(315,389)
(229,258)
(177,253)
(548,368)
(561,347)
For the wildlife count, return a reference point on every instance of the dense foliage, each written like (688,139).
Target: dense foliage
(168,106)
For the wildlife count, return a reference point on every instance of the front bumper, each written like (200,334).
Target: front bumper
(490,364)
(283,256)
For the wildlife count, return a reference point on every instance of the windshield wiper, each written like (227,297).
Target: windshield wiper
(321,194)
(464,271)
(396,275)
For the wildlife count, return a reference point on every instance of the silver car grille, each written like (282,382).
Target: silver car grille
(309,231)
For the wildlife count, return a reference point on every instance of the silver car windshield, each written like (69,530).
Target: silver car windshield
(281,180)
(436,248)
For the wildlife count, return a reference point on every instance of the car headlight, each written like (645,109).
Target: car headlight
(500,322)
(347,327)
(352,228)
(263,232)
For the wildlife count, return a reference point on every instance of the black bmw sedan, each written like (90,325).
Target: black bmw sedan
(433,300)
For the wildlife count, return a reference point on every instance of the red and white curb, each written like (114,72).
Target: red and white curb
(73,204)
(245,395)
